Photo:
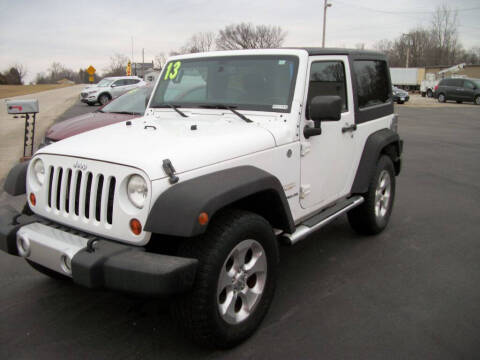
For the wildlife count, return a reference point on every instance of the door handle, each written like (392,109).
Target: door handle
(349,128)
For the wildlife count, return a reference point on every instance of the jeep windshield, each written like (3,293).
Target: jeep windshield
(263,83)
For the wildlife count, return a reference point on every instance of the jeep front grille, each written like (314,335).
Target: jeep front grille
(79,193)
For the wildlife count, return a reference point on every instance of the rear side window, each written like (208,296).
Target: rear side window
(457,82)
(372,82)
(328,78)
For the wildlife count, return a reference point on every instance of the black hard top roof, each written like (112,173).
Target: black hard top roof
(341,51)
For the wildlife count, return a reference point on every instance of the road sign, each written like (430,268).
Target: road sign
(91,78)
(91,70)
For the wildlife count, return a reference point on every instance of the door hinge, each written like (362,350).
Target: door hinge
(305,148)
(304,190)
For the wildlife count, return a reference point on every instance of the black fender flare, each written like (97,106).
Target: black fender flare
(376,143)
(16,181)
(175,212)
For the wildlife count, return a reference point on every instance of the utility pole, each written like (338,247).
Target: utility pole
(409,43)
(143,61)
(132,56)
(326,4)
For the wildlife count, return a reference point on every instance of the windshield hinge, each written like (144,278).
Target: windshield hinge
(170,171)
(304,148)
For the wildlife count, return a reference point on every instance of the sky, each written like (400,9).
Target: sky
(82,33)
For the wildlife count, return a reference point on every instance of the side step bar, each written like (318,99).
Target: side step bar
(321,219)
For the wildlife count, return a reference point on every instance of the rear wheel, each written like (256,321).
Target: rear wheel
(372,216)
(235,280)
(429,93)
(441,98)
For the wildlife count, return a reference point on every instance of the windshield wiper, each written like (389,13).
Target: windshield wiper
(125,112)
(227,107)
(173,106)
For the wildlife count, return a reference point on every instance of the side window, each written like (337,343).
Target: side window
(119,83)
(469,85)
(328,78)
(372,82)
(457,82)
(133,81)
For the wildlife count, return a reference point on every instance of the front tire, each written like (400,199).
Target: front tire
(429,93)
(235,280)
(476,101)
(104,98)
(442,98)
(373,215)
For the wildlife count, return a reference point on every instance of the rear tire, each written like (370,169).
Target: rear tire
(429,93)
(238,257)
(373,215)
(46,271)
(424,94)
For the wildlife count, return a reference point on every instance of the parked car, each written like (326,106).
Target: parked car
(400,96)
(236,152)
(109,88)
(459,90)
(127,106)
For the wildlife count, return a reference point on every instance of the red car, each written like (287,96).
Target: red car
(128,106)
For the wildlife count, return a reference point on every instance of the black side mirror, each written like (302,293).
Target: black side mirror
(323,108)
(113,85)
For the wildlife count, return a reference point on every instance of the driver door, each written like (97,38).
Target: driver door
(327,159)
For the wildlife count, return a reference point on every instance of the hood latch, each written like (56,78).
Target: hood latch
(170,171)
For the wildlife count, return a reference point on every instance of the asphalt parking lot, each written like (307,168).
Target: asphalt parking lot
(412,292)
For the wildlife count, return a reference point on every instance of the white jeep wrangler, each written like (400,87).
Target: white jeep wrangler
(237,150)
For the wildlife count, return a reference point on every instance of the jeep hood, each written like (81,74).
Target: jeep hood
(189,143)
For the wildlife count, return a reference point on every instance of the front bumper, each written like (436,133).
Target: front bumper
(104,264)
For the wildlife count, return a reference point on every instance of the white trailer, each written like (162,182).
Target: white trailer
(404,76)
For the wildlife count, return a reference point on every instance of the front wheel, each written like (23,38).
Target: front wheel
(372,216)
(429,93)
(441,98)
(103,99)
(477,100)
(235,280)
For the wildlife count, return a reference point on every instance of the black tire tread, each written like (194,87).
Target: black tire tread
(188,310)
(362,218)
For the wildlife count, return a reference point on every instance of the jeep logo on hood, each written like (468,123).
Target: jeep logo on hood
(79,165)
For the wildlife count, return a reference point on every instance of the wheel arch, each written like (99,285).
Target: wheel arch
(176,211)
(382,142)
(16,181)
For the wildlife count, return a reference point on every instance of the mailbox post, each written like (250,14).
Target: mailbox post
(27,109)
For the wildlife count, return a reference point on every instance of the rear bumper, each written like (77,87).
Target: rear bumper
(105,264)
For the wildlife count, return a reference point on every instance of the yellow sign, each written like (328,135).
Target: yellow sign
(91,70)
(129,68)
(91,78)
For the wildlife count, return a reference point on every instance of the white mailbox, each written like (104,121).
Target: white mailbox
(22,106)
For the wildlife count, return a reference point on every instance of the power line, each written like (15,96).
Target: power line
(401,12)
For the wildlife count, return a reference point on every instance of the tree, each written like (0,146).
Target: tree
(248,36)
(160,60)
(445,35)
(14,75)
(200,42)
(117,66)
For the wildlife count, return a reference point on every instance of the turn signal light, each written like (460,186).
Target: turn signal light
(203,218)
(33,199)
(136,226)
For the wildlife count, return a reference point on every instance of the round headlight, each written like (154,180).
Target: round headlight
(39,171)
(137,190)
